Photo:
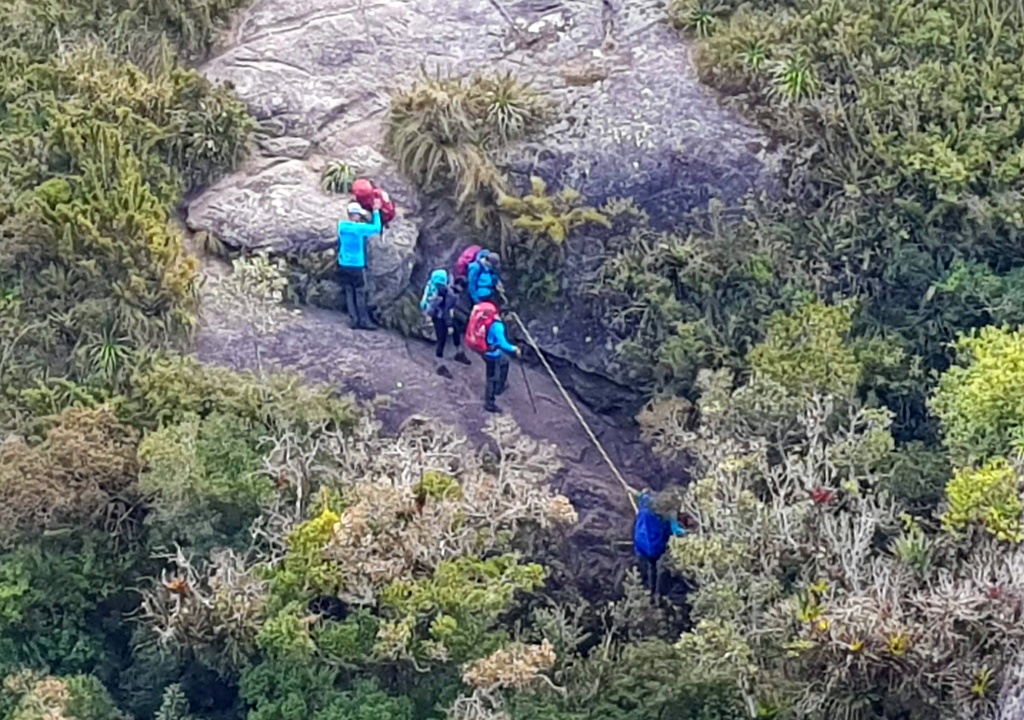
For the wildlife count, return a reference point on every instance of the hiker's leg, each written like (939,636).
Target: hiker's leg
(490,385)
(441,332)
(361,302)
(458,332)
(502,379)
(349,293)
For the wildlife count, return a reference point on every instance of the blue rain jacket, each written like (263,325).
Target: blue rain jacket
(482,280)
(497,341)
(352,238)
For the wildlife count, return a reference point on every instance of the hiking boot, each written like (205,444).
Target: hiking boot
(460,357)
(444,372)
(367,325)
(492,408)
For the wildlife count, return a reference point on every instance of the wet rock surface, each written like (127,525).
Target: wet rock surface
(320,345)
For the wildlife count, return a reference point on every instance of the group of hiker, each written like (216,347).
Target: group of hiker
(462,303)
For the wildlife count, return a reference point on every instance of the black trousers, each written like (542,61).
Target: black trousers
(497,378)
(353,283)
(441,327)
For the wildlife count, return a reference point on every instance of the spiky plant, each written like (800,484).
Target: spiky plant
(793,79)
(753,56)
(338,178)
(697,16)
(513,109)
(444,134)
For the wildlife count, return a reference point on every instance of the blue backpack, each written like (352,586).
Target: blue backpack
(438,278)
(650,532)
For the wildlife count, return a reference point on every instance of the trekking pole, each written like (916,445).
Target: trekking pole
(529,390)
(522,366)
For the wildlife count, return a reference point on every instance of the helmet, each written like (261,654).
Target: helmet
(355,208)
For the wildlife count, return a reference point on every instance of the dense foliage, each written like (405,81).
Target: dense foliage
(839,364)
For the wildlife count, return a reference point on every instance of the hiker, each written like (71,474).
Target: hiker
(353,235)
(651,533)
(486,334)
(484,277)
(440,299)
(365,193)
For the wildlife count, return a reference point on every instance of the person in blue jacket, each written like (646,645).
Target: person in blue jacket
(651,533)
(484,276)
(496,359)
(353,235)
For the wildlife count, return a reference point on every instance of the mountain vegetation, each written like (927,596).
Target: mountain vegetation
(841,364)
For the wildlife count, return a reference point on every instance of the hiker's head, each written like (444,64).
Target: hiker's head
(356,212)
(493,262)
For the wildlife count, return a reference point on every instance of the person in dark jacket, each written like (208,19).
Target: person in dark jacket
(353,234)
(442,312)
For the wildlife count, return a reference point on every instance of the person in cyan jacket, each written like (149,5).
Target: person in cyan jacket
(484,277)
(353,235)
(498,351)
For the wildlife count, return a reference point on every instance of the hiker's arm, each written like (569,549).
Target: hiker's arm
(374,227)
(502,341)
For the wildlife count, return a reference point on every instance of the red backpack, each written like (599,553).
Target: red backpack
(365,192)
(480,321)
(462,264)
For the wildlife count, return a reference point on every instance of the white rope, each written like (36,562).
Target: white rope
(630,492)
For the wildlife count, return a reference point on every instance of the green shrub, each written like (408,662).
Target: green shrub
(543,224)
(94,253)
(338,178)
(42,697)
(146,33)
(976,399)
(203,480)
(989,496)
(445,132)
(806,351)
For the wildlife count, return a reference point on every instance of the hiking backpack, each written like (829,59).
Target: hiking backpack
(650,532)
(480,321)
(437,280)
(365,192)
(468,255)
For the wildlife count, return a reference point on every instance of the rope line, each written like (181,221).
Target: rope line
(630,492)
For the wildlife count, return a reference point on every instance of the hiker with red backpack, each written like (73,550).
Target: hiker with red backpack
(486,334)
(353,235)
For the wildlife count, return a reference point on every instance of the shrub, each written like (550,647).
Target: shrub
(989,496)
(203,480)
(544,223)
(810,596)
(42,697)
(976,399)
(338,178)
(82,474)
(445,134)
(806,351)
(95,255)
(146,34)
